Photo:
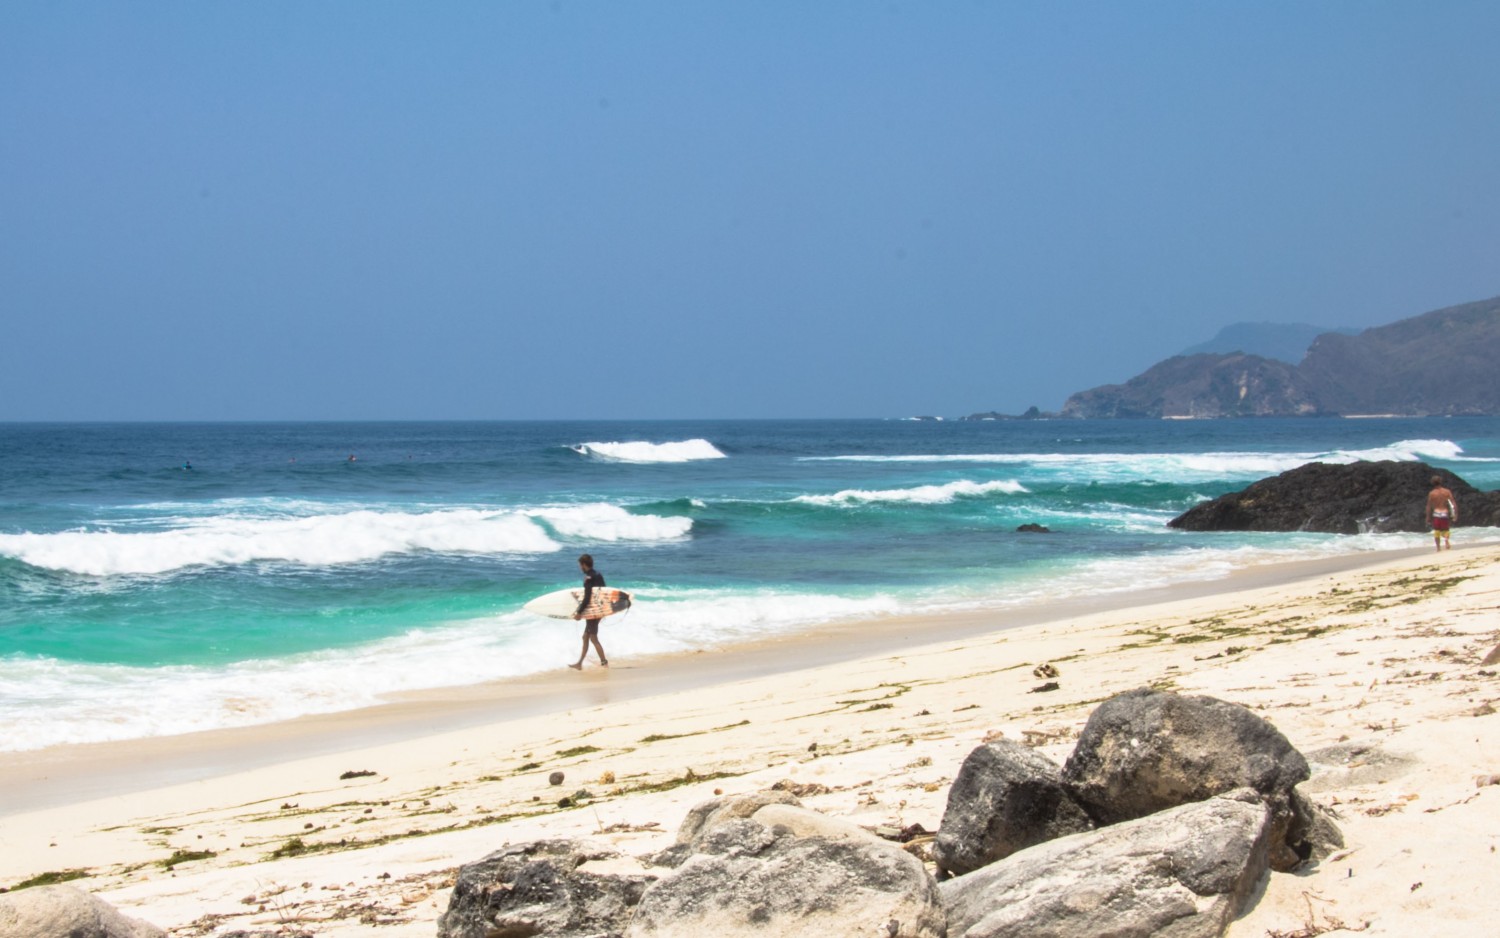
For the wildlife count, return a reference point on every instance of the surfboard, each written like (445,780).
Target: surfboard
(562,603)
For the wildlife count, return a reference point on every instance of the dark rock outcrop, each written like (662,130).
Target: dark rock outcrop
(1032,413)
(1322,837)
(1340,499)
(1185,872)
(66,912)
(1146,751)
(1005,798)
(538,888)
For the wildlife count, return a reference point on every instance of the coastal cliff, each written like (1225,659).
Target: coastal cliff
(1441,363)
(1206,385)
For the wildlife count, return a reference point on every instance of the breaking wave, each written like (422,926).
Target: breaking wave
(639,451)
(1175,467)
(919,495)
(332,539)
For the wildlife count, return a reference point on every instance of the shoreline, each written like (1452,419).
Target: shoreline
(60,775)
(1375,672)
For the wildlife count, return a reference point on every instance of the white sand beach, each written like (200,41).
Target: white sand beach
(1370,666)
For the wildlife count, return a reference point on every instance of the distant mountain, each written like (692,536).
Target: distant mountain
(1233,385)
(1283,341)
(1443,362)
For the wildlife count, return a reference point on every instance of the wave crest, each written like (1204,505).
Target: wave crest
(640,451)
(919,495)
(602,522)
(1174,467)
(331,539)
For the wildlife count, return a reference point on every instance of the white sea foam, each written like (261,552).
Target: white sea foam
(640,451)
(330,539)
(244,506)
(1403,451)
(1130,573)
(1118,467)
(603,522)
(918,495)
(1104,516)
(685,620)
(1174,467)
(46,702)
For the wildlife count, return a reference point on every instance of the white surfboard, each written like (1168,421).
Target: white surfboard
(563,603)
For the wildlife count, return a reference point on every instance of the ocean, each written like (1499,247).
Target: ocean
(158,579)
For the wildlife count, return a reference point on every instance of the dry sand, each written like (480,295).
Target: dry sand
(1375,673)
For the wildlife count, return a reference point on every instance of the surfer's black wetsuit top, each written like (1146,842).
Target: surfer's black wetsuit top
(593,579)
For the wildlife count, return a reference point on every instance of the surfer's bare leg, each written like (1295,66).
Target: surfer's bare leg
(590,634)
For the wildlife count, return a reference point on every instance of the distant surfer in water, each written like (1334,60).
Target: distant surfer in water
(588,606)
(1442,514)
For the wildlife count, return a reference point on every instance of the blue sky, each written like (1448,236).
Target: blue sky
(379,210)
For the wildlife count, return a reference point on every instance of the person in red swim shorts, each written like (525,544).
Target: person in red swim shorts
(1442,514)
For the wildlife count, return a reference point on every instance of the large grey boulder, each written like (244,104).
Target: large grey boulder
(1183,873)
(66,912)
(750,878)
(704,816)
(1005,798)
(538,888)
(1144,751)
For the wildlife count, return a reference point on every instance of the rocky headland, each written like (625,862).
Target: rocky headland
(1439,363)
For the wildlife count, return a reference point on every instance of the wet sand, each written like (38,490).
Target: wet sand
(65,774)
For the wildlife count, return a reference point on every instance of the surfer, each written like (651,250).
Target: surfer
(1442,514)
(591,579)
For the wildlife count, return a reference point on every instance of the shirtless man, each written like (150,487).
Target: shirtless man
(1442,514)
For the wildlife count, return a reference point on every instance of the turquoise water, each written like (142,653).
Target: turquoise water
(277,577)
